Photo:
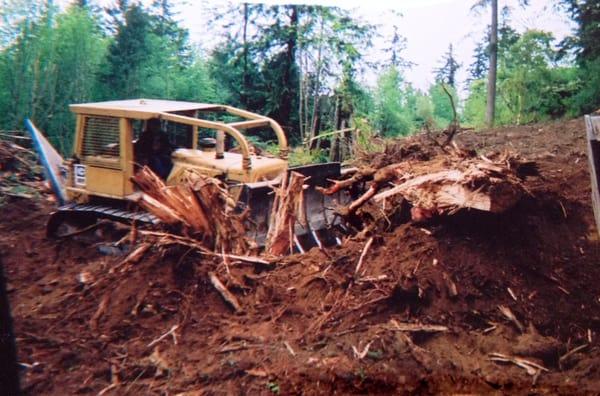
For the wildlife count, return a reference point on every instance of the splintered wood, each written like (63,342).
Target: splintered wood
(288,208)
(200,205)
(443,185)
(203,209)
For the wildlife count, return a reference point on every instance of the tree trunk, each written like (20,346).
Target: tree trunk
(285,110)
(334,148)
(245,82)
(315,112)
(301,87)
(491,88)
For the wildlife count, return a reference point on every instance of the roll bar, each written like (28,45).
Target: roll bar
(232,129)
(255,122)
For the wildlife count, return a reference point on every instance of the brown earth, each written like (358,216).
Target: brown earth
(85,323)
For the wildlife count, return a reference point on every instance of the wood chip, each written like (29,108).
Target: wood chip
(289,348)
(99,312)
(562,289)
(511,316)
(532,368)
(572,352)
(417,327)
(362,255)
(165,335)
(362,354)
(257,373)
(137,254)
(490,329)
(512,294)
(226,294)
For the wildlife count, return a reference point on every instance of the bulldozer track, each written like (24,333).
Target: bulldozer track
(74,211)
(110,212)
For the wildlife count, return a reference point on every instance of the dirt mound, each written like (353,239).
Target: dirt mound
(431,308)
(20,174)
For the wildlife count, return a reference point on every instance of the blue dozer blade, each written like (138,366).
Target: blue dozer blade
(50,159)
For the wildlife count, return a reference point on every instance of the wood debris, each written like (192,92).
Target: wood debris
(199,204)
(443,185)
(226,294)
(572,352)
(171,332)
(289,348)
(361,354)
(102,307)
(512,294)
(137,254)
(417,327)
(362,255)
(20,174)
(531,367)
(288,207)
(511,316)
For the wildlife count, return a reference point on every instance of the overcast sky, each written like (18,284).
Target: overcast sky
(429,26)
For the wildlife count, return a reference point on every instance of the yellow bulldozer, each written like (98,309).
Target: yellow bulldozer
(114,139)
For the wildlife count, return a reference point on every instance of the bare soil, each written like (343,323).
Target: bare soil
(85,323)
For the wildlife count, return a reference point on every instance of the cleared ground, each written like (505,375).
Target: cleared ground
(85,323)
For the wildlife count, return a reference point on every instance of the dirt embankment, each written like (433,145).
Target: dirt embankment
(87,323)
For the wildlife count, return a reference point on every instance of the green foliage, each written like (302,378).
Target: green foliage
(532,85)
(273,387)
(586,41)
(442,106)
(365,139)
(299,64)
(586,88)
(302,156)
(52,62)
(586,44)
(392,114)
(127,56)
(424,111)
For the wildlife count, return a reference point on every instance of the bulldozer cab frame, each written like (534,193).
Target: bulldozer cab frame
(104,159)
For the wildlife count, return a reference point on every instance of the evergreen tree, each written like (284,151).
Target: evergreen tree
(176,39)
(479,67)
(128,54)
(52,61)
(393,114)
(447,72)
(586,43)
(507,36)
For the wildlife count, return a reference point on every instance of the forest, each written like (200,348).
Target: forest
(299,64)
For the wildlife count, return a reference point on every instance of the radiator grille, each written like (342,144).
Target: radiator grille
(101,137)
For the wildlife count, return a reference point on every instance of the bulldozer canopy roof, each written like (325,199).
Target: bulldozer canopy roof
(140,108)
